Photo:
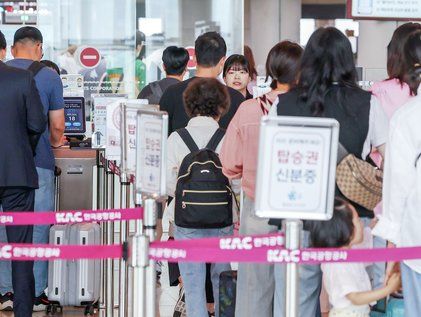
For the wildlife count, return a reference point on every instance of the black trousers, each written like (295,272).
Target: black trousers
(20,199)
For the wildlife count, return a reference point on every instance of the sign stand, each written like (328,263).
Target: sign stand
(293,230)
(100,197)
(296,180)
(151,132)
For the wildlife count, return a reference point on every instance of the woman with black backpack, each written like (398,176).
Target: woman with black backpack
(203,200)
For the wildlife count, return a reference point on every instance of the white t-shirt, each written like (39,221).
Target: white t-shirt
(341,279)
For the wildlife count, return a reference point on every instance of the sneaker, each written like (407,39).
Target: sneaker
(6,302)
(180,306)
(41,302)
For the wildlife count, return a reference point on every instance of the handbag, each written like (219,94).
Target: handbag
(358,180)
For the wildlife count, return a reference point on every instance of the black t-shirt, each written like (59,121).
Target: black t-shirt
(172,102)
(350,106)
(148,93)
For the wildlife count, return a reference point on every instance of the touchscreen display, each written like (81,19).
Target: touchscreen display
(74,113)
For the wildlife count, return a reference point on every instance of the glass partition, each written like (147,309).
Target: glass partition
(180,22)
(130,46)
(108,26)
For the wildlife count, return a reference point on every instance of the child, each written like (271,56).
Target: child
(237,74)
(347,284)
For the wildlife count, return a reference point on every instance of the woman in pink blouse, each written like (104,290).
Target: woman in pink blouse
(255,284)
(394,92)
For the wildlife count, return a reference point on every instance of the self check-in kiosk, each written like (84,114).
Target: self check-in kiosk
(74,116)
(75,159)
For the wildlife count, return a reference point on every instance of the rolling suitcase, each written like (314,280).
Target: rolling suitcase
(227,293)
(74,282)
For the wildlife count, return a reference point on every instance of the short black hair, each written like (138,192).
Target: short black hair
(3,43)
(283,63)
(336,232)
(28,33)
(140,40)
(236,60)
(206,97)
(51,65)
(175,60)
(209,48)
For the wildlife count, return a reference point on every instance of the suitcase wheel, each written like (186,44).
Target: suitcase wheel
(52,309)
(89,310)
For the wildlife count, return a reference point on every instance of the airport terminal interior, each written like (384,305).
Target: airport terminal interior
(112,157)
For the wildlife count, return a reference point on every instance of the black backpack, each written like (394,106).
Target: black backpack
(203,196)
(35,68)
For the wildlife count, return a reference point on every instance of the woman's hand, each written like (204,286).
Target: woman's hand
(392,267)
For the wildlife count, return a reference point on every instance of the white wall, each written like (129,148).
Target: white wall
(372,47)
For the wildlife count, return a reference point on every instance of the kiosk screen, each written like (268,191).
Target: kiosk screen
(74,113)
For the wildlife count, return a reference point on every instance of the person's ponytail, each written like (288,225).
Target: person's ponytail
(413,60)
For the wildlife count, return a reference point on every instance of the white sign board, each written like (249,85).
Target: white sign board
(132,107)
(296,168)
(101,103)
(72,85)
(151,152)
(381,9)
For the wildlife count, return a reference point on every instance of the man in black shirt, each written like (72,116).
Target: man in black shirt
(210,50)
(175,61)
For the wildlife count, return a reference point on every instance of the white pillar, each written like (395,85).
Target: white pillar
(372,47)
(268,22)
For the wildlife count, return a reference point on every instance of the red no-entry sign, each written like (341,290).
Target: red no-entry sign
(89,57)
(192,62)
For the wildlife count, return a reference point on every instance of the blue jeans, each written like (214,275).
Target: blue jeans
(44,201)
(377,270)
(310,285)
(194,274)
(411,282)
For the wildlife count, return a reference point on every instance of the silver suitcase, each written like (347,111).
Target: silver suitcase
(74,282)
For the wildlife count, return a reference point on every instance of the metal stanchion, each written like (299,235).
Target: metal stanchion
(150,231)
(293,229)
(124,225)
(144,275)
(100,199)
(124,235)
(109,263)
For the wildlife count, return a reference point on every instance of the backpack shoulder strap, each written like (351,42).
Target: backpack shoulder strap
(216,139)
(156,89)
(35,67)
(188,140)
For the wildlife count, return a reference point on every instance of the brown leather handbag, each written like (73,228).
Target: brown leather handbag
(358,180)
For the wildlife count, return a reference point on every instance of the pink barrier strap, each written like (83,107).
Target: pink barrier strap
(26,252)
(68,217)
(245,249)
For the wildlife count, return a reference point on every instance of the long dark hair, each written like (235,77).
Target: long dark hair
(396,64)
(248,53)
(327,61)
(413,59)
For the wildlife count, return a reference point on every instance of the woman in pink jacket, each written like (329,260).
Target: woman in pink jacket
(394,92)
(255,284)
